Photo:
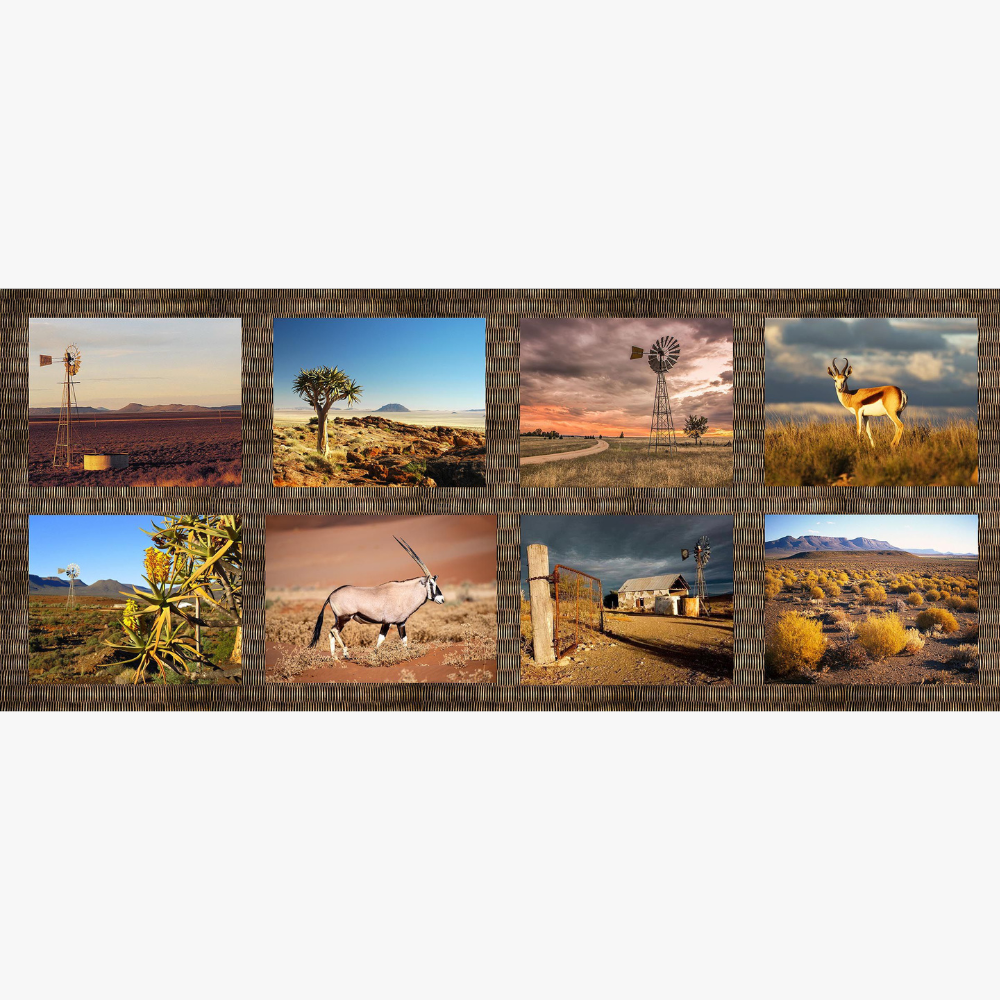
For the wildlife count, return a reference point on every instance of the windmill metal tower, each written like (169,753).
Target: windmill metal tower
(662,356)
(702,553)
(72,572)
(62,454)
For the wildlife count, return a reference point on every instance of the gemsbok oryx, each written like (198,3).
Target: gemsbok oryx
(884,400)
(387,604)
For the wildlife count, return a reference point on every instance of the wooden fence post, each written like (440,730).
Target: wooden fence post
(541,603)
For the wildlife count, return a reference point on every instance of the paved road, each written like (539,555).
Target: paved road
(563,456)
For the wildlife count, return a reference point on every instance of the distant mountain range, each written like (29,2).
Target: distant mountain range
(789,545)
(44,411)
(58,585)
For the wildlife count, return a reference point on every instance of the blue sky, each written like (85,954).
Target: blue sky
(104,546)
(944,532)
(424,364)
(148,361)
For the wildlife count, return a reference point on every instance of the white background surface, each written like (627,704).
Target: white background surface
(457,145)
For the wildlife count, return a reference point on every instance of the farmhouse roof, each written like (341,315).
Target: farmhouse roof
(654,583)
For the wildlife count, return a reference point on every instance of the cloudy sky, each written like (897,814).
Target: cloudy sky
(148,361)
(944,532)
(933,360)
(577,378)
(616,549)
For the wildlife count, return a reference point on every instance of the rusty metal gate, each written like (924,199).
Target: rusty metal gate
(579,610)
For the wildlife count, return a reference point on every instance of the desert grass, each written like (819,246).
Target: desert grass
(628,463)
(475,421)
(828,453)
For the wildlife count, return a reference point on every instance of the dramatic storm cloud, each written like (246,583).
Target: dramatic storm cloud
(577,378)
(616,549)
(933,360)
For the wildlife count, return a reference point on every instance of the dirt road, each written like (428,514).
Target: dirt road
(563,456)
(645,649)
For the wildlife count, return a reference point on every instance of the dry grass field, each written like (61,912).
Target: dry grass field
(455,641)
(871,618)
(828,453)
(67,645)
(628,463)
(641,649)
(165,449)
(372,450)
(531,446)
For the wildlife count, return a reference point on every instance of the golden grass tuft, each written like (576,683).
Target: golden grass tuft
(794,643)
(937,618)
(882,635)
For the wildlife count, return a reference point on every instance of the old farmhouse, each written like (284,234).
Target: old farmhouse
(641,593)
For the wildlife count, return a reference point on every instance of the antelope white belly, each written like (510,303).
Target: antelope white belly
(874,410)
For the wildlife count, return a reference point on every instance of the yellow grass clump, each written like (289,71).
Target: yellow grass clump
(794,643)
(915,598)
(873,593)
(937,617)
(882,635)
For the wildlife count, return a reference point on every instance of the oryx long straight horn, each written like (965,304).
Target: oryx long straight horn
(413,556)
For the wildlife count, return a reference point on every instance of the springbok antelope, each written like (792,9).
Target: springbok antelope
(387,604)
(885,400)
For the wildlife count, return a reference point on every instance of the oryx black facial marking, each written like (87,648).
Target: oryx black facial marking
(386,605)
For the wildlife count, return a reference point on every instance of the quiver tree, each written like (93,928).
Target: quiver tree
(321,388)
(194,558)
(695,427)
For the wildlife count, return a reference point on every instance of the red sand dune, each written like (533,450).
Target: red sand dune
(320,551)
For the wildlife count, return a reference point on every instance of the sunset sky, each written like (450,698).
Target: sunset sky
(577,378)
(150,361)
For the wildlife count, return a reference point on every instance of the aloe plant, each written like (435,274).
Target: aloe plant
(193,558)
(322,387)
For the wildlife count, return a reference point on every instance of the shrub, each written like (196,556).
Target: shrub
(915,598)
(832,589)
(914,642)
(971,604)
(934,617)
(816,593)
(873,593)
(966,654)
(933,595)
(971,634)
(794,643)
(771,590)
(836,616)
(882,635)
(846,656)
(903,587)
(953,602)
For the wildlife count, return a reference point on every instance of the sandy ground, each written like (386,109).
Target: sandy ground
(422,418)
(929,666)
(325,551)
(565,456)
(645,649)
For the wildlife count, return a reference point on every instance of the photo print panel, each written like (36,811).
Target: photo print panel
(627,599)
(381,598)
(135,402)
(871,598)
(380,402)
(135,599)
(626,402)
(871,402)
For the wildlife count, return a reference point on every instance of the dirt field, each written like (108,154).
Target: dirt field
(164,450)
(828,453)
(473,420)
(375,451)
(840,656)
(641,649)
(66,645)
(628,463)
(307,556)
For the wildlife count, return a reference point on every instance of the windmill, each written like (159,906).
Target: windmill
(72,572)
(702,553)
(67,407)
(662,356)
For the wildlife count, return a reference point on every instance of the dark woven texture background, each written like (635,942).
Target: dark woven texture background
(748,499)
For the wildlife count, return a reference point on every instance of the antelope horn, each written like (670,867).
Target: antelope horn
(847,364)
(414,556)
(835,368)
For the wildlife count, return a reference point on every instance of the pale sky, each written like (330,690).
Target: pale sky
(149,361)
